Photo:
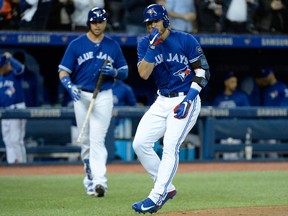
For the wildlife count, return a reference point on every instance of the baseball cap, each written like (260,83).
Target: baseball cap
(229,75)
(3,60)
(264,72)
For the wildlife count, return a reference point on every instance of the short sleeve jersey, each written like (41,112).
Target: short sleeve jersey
(83,60)
(172,71)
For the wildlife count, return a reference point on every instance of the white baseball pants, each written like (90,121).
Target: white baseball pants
(157,122)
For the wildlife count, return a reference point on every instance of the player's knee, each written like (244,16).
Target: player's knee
(139,146)
(14,142)
(136,146)
(143,147)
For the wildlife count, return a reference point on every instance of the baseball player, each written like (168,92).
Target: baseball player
(12,97)
(180,69)
(123,94)
(79,70)
(231,97)
(275,92)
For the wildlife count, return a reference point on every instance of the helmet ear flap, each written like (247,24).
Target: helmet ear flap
(166,23)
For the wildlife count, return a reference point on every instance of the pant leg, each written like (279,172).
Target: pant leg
(176,131)
(93,140)
(81,109)
(13,132)
(98,127)
(150,129)
(22,126)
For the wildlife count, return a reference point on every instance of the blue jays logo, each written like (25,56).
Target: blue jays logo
(98,13)
(183,73)
(274,94)
(152,12)
(10,91)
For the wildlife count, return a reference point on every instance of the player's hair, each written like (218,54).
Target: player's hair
(96,14)
(156,12)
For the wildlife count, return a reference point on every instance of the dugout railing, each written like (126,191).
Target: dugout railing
(51,128)
(267,128)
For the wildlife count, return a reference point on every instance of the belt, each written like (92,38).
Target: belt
(237,23)
(91,91)
(86,90)
(174,94)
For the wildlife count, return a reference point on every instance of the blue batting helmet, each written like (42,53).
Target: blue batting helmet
(96,14)
(156,12)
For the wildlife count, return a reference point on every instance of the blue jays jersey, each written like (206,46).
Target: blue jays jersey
(11,91)
(237,98)
(172,71)
(123,94)
(30,88)
(275,95)
(83,60)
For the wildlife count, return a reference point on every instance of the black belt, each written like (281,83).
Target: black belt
(85,90)
(90,91)
(174,94)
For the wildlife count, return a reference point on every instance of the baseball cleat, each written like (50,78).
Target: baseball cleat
(169,195)
(148,206)
(144,206)
(98,191)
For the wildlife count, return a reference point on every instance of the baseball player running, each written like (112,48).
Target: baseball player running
(79,71)
(180,70)
(12,97)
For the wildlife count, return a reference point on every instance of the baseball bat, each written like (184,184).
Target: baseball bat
(95,93)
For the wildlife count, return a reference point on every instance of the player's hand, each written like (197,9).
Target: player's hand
(72,89)
(182,109)
(107,69)
(154,38)
(74,92)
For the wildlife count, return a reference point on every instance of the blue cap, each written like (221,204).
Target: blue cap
(229,75)
(3,60)
(265,72)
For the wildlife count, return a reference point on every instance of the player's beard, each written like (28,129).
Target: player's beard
(96,32)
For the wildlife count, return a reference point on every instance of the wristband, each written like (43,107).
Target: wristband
(66,81)
(192,94)
(150,55)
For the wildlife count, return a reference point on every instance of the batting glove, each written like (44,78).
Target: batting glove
(108,69)
(71,88)
(182,109)
(154,38)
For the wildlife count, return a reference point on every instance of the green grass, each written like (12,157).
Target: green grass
(65,195)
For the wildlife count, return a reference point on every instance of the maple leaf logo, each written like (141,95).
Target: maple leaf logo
(183,73)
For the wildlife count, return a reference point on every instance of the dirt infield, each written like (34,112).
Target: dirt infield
(183,168)
(263,211)
(137,168)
